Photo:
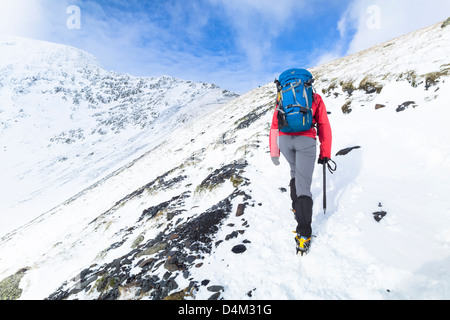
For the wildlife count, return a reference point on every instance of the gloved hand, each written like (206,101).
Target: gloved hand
(276,161)
(328,163)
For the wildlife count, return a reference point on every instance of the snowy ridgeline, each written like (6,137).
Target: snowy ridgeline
(66,123)
(205,214)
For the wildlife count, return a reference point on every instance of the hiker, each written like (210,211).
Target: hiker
(298,145)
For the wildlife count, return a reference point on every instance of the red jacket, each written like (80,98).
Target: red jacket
(320,117)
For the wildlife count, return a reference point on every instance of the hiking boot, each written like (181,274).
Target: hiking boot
(303,244)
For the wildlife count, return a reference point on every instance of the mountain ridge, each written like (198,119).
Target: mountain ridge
(76,106)
(205,214)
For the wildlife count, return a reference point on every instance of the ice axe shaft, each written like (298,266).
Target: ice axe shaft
(324,189)
(332,168)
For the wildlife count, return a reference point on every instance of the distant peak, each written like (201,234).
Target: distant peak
(20,50)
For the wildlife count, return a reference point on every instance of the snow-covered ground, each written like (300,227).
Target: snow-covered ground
(401,168)
(405,255)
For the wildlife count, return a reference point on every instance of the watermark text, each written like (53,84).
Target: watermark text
(73,22)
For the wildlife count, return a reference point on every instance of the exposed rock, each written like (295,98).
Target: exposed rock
(379,215)
(158,209)
(152,250)
(250,293)
(173,236)
(230,172)
(175,249)
(215,296)
(146,262)
(239,248)
(251,117)
(232,235)
(240,210)
(205,282)
(406,105)
(138,240)
(215,288)
(171,264)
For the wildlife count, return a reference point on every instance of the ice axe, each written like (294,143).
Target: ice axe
(332,169)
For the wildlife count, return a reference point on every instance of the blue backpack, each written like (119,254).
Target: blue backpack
(295,98)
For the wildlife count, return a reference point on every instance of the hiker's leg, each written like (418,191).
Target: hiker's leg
(288,151)
(305,159)
(303,213)
(293,191)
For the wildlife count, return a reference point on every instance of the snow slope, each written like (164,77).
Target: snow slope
(401,168)
(66,122)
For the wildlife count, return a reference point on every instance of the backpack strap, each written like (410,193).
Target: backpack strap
(305,94)
(278,84)
(293,92)
(279,100)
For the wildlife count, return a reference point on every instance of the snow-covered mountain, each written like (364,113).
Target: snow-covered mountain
(203,213)
(66,122)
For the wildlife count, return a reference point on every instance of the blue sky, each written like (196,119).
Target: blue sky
(236,44)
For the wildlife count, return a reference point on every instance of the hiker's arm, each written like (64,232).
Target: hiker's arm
(323,125)
(273,136)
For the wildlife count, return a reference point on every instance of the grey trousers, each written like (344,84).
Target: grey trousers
(300,153)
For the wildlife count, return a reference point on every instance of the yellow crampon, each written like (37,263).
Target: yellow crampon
(301,242)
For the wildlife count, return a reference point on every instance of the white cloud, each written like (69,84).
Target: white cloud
(257,22)
(140,42)
(366,23)
(167,40)
(17,17)
(35,19)
(377,21)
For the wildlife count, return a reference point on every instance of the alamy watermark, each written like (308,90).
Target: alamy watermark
(73,22)
(373,21)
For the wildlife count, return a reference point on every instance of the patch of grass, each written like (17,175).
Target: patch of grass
(330,88)
(236,180)
(347,86)
(9,287)
(347,107)
(104,283)
(370,86)
(432,78)
(410,76)
(180,295)
(205,188)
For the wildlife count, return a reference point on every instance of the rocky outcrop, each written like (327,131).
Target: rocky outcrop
(177,249)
